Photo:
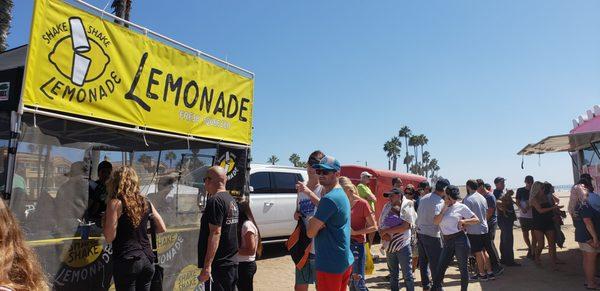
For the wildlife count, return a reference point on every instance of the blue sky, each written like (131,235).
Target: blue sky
(480,78)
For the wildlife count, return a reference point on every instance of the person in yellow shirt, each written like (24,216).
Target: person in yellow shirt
(365,193)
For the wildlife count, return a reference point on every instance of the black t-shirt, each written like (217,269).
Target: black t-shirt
(221,209)
(522,194)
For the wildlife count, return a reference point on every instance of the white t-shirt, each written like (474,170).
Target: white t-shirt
(307,208)
(248,226)
(452,216)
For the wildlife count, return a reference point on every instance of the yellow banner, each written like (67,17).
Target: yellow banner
(82,64)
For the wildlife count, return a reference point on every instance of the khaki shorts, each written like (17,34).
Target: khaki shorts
(587,248)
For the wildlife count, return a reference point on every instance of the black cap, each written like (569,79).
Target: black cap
(441,184)
(393,191)
(453,192)
(528,179)
(499,180)
(424,184)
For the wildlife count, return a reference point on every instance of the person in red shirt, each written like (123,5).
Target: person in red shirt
(362,223)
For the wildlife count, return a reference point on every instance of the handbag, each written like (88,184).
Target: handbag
(157,279)
(369,263)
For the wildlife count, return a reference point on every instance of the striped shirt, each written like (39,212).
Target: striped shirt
(399,241)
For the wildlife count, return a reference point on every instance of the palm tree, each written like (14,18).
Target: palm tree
(423,140)
(273,160)
(434,167)
(396,148)
(405,133)
(5,18)
(295,159)
(426,162)
(387,148)
(413,141)
(407,161)
(121,8)
(171,156)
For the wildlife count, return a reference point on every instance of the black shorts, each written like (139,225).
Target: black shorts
(526,223)
(477,242)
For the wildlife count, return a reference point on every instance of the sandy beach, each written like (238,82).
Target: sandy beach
(275,269)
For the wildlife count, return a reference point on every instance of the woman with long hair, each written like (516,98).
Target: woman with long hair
(20,269)
(543,222)
(126,227)
(362,221)
(250,246)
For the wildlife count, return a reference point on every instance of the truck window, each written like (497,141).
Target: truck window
(284,182)
(261,182)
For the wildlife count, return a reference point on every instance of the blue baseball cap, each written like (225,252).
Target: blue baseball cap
(328,163)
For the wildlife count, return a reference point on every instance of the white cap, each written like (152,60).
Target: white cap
(366,174)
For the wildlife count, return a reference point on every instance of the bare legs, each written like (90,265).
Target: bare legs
(527,241)
(589,269)
(539,246)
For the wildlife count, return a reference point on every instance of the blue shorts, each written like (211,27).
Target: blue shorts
(308,274)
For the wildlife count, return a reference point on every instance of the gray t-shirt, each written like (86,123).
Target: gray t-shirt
(477,203)
(430,205)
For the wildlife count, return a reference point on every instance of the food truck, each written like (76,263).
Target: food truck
(582,144)
(89,88)
(381,181)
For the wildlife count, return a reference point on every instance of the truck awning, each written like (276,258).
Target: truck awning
(562,143)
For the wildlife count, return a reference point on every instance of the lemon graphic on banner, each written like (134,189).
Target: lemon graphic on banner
(85,58)
(227,162)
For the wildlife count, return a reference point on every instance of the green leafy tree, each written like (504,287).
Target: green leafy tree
(171,156)
(5,18)
(295,159)
(405,133)
(273,160)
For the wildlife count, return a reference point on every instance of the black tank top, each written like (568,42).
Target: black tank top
(132,242)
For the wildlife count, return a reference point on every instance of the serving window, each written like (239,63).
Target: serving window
(56,173)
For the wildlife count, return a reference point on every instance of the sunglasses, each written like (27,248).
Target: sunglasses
(322,172)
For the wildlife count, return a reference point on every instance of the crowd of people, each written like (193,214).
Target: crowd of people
(421,227)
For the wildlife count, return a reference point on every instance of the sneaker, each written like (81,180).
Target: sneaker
(491,276)
(483,278)
(498,271)
(474,278)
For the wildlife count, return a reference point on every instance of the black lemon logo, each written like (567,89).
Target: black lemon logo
(77,57)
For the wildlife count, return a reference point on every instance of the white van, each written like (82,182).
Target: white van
(273,199)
